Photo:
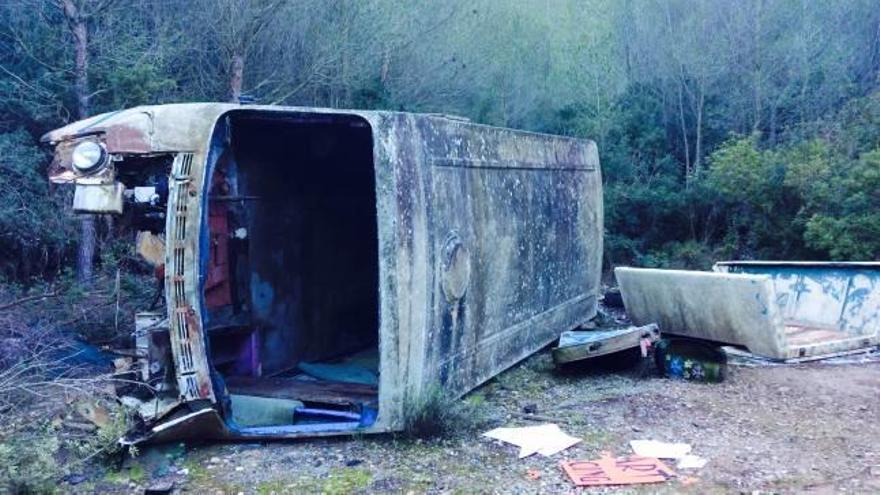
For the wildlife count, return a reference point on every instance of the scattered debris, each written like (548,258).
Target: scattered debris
(152,408)
(688,480)
(660,450)
(691,461)
(151,247)
(863,356)
(588,325)
(540,417)
(75,478)
(612,298)
(665,450)
(608,470)
(160,488)
(546,439)
(250,410)
(691,359)
(340,372)
(579,345)
(122,364)
(94,412)
(609,317)
(740,357)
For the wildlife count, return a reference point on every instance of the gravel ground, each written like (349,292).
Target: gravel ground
(783,429)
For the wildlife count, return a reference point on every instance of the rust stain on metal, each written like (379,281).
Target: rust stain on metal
(127,139)
(194,329)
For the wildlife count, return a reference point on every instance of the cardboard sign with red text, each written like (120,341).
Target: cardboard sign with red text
(608,470)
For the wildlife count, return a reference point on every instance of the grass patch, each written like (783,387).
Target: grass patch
(343,481)
(434,413)
(339,481)
(137,473)
(418,482)
(598,440)
(274,487)
(197,472)
(115,477)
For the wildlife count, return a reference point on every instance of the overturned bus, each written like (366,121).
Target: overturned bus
(323,269)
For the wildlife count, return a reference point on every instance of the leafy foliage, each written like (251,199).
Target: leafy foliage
(35,227)
(726,129)
(846,223)
(27,462)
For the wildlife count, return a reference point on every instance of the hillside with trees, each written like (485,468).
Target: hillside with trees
(726,129)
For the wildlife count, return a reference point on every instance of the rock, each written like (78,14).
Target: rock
(354,462)
(159,488)
(75,478)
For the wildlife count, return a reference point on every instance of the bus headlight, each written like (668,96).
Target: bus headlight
(88,157)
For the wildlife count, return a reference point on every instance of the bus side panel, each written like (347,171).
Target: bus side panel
(516,228)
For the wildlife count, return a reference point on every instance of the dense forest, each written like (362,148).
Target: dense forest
(744,130)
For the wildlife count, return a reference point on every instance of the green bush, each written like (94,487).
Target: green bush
(846,224)
(37,233)
(27,462)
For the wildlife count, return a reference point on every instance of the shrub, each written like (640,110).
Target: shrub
(27,462)
(36,231)
(434,413)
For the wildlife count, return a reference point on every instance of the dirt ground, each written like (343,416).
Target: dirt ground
(809,428)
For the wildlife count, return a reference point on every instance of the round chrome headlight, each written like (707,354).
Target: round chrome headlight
(88,157)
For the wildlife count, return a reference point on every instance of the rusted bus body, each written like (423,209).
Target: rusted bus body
(784,310)
(454,250)
(828,308)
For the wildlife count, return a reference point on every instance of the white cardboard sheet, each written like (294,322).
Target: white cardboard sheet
(546,439)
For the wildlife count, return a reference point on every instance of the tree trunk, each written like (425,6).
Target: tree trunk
(773,109)
(80,33)
(86,254)
(386,66)
(684,137)
(236,77)
(756,75)
(698,146)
